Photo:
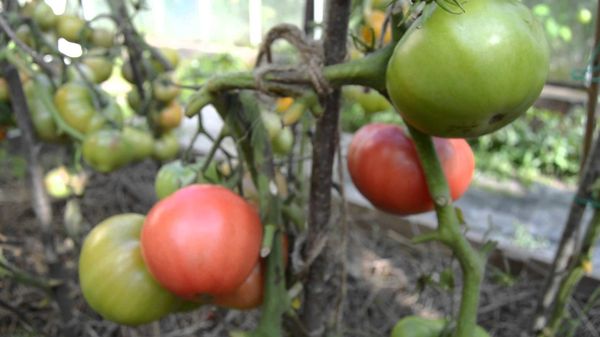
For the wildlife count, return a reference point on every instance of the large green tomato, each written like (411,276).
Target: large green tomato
(469,74)
(166,147)
(414,326)
(113,277)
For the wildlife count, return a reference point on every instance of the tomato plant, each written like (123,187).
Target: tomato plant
(173,176)
(470,74)
(72,28)
(384,166)
(414,326)
(113,278)
(201,240)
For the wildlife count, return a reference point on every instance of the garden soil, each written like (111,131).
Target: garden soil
(387,276)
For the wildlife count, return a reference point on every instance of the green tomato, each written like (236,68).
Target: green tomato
(114,279)
(74,102)
(163,89)
(106,150)
(141,142)
(272,123)
(102,37)
(166,147)
(584,16)
(470,74)
(370,100)
(41,108)
(72,28)
(414,326)
(283,142)
(173,176)
(101,67)
(44,16)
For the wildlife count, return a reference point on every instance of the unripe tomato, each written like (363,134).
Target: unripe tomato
(127,71)
(173,176)
(202,240)
(140,141)
(102,38)
(371,31)
(39,100)
(170,55)
(44,16)
(283,142)
(170,116)
(384,166)
(72,28)
(166,147)
(133,99)
(113,278)
(272,123)
(163,88)
(470,74)
(4,94)
(100,65)
(106,150)
(369,99)
(414,326)
(75,105)
(23,33)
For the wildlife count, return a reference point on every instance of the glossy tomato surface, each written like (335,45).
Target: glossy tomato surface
(384,166)
(113,277)
(465,75)
(201,240)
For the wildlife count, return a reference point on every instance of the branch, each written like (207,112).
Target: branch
(450,233)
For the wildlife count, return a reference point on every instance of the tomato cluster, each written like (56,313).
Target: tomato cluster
(174,258)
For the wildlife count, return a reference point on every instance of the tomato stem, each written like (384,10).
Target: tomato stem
(449,233)
(368,71)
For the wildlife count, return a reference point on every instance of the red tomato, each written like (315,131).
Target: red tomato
(385,167)
(201,240)
(250,294)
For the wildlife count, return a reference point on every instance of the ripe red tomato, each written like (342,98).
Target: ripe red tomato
(201,240)
(385,167)
(250,294)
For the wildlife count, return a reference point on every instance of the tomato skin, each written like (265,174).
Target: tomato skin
(72,28)
(74,103)
(163,89)
(201,240)
(173,176)
(102,37)
(4,95)
(140,141)
(384,166)
(369,99)
(251,293)
(414,326)
(100,66)
(106,150)
(44,16)
(166,147)
(170,116)
(113,278)
(470,74)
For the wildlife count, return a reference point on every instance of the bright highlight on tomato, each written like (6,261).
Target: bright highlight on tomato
(469,74)
(385,167)
(201,240)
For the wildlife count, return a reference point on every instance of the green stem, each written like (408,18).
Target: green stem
(242,117)
(575,275)
(368,71)
(450,234)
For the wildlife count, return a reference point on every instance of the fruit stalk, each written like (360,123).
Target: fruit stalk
(450,234)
